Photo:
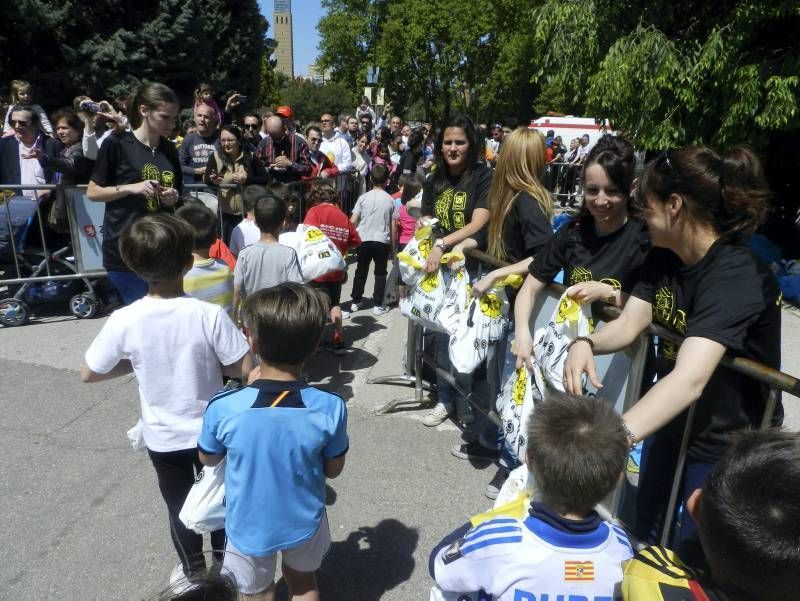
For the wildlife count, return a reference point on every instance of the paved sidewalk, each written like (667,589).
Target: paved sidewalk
(84,519)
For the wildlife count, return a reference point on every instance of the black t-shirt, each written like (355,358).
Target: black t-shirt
(614,259)
(526,228)
(454,204)
(125,160)
(730,297)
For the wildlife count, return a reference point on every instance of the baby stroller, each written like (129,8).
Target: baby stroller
(33,276)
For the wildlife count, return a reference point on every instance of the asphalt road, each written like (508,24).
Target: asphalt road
(83,518)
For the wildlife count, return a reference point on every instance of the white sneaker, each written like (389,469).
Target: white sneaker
(380,309)
(345,314)
(356,307)
(437,415)
(178,583)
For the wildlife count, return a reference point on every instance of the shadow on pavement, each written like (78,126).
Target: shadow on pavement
(370,562)
(361,326)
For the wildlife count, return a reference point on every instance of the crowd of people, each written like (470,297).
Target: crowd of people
(213,295)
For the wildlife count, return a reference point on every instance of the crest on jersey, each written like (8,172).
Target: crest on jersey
(576,571)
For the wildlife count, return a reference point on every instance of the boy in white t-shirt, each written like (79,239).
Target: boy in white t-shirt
(577,449)
(246,232)
(179,347)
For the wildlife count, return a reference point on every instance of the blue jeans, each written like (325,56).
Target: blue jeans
(128,285)
(481,387)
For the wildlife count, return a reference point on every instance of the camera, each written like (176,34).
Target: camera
(242,98)
(90,107)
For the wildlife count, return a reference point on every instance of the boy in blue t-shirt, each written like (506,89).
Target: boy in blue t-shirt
(282,439)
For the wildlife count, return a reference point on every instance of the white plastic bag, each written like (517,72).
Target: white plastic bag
(316,254)
(425,300)
(520,482)
(411,260)
(483,323)
(515,405)
(136,436)
(569,321)
(456,300)
(204,508)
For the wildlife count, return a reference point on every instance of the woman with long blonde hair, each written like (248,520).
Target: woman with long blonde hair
(520,208)
(520,211)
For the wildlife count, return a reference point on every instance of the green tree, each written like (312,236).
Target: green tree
(309,100)
(349,34)
(106,48)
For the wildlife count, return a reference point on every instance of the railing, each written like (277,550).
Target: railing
(774,379)
(564,181)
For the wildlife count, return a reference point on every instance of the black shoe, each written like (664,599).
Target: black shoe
(474,450)
(496,483)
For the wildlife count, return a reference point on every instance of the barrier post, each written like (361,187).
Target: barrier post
(413,375)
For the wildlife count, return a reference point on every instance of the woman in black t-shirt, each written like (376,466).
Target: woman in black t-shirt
(457,194)
(701,283)
(601,252)
(136,173)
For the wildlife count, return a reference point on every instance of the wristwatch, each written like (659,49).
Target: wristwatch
(439,243)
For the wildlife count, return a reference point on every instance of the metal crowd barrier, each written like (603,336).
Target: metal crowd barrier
(630,362)
(564,181)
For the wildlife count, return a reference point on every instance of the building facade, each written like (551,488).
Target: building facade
(282,26)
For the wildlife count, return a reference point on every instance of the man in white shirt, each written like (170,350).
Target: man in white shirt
(337,148)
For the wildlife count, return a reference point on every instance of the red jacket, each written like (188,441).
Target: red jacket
(335,225)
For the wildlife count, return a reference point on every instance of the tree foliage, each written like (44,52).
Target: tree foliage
(719,72)
(106,47)
(309,100)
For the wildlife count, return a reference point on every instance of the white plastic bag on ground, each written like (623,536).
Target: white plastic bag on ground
(316,254)
(569,321)
(204,508)
(136,436)
(515,405)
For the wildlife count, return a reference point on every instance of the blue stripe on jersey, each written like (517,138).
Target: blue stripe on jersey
(493,523)
(487,531)
(624,542)
(489,542)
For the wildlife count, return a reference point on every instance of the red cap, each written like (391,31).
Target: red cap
(285,112)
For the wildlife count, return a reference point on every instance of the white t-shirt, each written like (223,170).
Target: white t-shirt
(338,151)
(177,347)
(244,234)
(30,171)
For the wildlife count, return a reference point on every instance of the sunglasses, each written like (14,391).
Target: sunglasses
(251,126)
(18,123)
(326,121)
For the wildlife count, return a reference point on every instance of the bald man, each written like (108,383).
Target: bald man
(282,153)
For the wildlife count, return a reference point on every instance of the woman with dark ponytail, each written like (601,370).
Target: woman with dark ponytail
(699,281)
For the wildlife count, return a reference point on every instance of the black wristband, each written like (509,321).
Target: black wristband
(582,339)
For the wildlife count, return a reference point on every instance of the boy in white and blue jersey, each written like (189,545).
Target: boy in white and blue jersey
(282,438)
(209,279)
(563,550)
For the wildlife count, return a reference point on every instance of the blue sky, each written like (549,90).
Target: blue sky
(305,16)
